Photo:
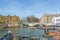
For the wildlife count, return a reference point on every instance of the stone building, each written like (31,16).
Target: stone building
(32,19)
(47,19)
(9,19)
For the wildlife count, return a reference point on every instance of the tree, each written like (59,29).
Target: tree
(32,19)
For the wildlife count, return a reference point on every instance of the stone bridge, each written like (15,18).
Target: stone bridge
(33,24)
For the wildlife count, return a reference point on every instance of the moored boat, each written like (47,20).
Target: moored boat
(50,34)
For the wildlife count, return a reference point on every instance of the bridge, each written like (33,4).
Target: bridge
(33,24)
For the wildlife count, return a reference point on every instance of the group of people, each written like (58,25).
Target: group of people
(8,36)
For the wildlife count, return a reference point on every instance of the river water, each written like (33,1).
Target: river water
(32,32)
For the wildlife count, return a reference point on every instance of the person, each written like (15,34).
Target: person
(8,36)
(46,31)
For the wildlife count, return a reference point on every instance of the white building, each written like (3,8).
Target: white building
(56,20)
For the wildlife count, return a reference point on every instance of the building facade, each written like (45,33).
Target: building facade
(56,20)
(9,19)
(47,19)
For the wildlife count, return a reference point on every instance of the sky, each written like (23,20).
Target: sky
(24,8)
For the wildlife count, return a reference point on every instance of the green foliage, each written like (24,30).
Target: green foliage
(25,25)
